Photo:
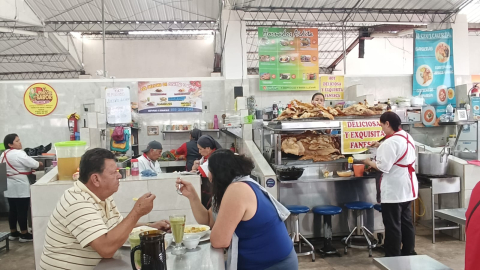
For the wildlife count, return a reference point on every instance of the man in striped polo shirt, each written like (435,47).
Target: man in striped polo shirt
(86,225)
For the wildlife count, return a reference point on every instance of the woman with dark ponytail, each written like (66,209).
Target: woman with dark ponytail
(244,216)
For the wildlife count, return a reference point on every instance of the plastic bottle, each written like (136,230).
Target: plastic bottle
(275,110)
(467,108)
(127,171)
(215,122)
(350,163)
(135,171)
(449,111)
(280,108)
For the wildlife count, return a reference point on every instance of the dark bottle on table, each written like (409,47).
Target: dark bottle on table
(152,248)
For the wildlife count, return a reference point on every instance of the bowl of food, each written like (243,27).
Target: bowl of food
(361,156)
(344,173)
(290,173)
(191,241)
(196,230)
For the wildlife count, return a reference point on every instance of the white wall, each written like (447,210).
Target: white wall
(474,50)
(150,58)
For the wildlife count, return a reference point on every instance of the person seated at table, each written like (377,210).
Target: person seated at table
(149,159)
(86,225)
(244,215)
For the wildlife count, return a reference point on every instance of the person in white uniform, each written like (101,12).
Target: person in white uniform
(398,187)
(148,161)
(19,167)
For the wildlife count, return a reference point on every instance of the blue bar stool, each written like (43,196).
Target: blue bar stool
(297,237)
(359,209)
(378,207)
(327,211)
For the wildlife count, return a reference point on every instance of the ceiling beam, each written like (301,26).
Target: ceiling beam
(18,12)
(30,58)
(125,26)
(348,50)
(39,75)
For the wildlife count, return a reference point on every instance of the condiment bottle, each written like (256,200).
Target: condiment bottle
(135,171)
(350,163)
(127,171)
(215,122)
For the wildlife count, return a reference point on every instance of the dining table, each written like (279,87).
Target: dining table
(204,257)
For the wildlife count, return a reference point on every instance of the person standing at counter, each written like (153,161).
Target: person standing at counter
(318,99)
(149,159)
(190,149)
(243,216)
(206,146)
(398,186)
(19,167)
(86,224)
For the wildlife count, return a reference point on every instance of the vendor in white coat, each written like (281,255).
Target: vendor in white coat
(148,161)
(398,187)
(19,167)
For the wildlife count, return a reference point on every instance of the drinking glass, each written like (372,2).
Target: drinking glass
(177,223)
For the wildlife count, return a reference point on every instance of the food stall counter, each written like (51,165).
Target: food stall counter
(311,178)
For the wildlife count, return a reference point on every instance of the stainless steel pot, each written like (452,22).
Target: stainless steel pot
(432,163)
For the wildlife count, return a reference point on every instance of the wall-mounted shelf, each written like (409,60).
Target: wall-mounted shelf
(164,132)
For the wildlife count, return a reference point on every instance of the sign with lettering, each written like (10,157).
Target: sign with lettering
(358,135)
(40,99)
(170,97)
(288,59)
(117,101)
(433,77)
(332,87)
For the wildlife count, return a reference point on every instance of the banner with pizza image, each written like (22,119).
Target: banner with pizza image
(433,73)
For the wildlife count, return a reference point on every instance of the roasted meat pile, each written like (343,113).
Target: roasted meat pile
(300,110)
(310,145)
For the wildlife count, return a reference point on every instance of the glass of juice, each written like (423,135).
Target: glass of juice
(177,223)
(134,240)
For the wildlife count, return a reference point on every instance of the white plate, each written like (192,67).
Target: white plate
(361,156)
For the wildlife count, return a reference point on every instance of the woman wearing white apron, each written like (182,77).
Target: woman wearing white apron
(398,187)
(19,166)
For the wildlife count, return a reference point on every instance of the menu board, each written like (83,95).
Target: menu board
(40,99)
(358,135)
(117,101)
(332,87)
(288,59)
(170,97)
(433,77)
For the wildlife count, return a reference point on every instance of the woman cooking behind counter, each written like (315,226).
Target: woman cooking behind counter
(206,146)
(19,166)
(190,149)
(398,186)
(243,216)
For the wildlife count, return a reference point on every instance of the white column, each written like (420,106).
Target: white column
(234,34)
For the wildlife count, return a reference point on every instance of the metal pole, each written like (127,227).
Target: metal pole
(344,41)
(103,39)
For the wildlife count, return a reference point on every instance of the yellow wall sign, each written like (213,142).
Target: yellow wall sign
(358,135)
(40,99)
(332,87)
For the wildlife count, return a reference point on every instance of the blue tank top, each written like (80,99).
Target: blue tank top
(263,240)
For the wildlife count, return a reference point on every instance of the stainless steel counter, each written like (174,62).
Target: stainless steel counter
(204,257)
(419,262)
(314,190)
(453,215)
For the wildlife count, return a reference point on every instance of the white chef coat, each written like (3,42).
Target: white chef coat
(396,185)
(18,185)
(203,168)
(144,163)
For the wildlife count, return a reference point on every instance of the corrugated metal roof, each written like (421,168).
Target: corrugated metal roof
(126,10)
(473,12)
(447,5)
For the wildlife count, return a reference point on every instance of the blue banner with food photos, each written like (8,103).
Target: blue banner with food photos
(433,73)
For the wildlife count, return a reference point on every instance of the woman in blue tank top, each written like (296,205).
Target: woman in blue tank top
(244,210)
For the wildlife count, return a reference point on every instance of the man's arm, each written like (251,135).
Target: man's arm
(106,245)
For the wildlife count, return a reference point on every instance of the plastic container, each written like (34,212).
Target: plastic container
(68,157)
(215,122)
(358,170)
(134,171)
(127,171)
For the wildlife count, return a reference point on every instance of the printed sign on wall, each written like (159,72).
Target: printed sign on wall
(433,77)
(332,87)
(288,59)
(117,101)
(358,135)
(170,97)
(40,99)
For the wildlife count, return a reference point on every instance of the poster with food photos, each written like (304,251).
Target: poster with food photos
(288,59)
(433,72)
(169,97)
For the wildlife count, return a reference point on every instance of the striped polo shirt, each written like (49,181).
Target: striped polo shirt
(79,218)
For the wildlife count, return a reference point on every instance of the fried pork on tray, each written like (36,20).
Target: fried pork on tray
(311,145)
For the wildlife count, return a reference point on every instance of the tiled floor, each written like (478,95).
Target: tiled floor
(447,250)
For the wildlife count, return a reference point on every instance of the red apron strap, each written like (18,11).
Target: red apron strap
(410,167)
(10,165)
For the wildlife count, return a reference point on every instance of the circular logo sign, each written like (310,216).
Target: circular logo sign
(40,99)
(270,182)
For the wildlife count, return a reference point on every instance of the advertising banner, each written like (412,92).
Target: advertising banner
(332,87)
(169,97)
(288,59)
(40,99)
(358,135)
(433,73)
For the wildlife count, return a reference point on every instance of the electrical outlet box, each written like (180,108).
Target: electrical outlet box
(206,106)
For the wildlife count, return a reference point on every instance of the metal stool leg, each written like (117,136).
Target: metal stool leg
(298,238)
(364,234)
(328,249)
